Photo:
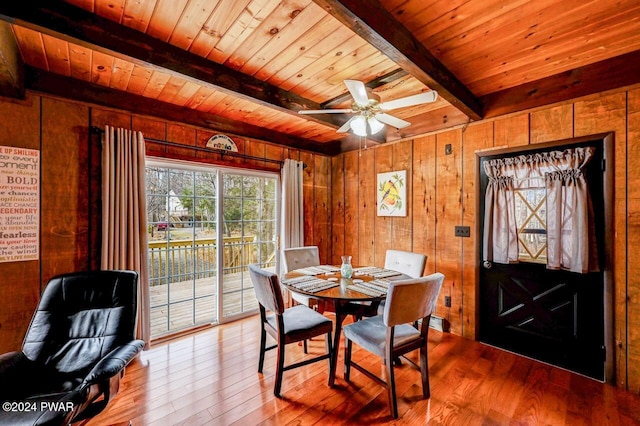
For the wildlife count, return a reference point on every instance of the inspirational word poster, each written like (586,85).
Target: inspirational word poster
(19,204)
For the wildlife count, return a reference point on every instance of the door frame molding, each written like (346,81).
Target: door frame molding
(607,140)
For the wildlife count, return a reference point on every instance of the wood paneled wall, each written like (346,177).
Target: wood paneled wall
(442,194)
(70,214)
(340,199)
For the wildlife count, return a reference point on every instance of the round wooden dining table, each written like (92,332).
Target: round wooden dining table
(344,299)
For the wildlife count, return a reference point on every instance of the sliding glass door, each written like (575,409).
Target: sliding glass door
(201,240)
(249,212)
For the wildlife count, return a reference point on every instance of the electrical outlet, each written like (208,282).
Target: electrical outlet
(447,301)
(462,231)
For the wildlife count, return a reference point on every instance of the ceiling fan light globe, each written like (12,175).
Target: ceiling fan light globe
(359,126)
(375,125)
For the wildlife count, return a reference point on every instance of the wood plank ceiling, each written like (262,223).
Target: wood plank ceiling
(246,67)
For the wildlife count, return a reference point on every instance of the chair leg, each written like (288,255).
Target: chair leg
(279,367)
(347,359)
(263,345)
(304,347)
(424,372)
(391,388)
(330,352)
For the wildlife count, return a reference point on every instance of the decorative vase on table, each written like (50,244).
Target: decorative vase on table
(346,270)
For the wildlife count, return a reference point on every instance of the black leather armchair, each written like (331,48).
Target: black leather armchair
(73,356)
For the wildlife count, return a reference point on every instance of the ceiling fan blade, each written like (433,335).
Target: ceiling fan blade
(346,126)
(325,111)
(420,98)
(358,91)
(392,121)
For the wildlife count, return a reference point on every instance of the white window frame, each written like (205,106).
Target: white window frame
(206,167)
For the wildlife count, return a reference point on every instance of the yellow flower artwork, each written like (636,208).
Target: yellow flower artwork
(392,193)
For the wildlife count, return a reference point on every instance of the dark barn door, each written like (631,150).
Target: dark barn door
(549,315)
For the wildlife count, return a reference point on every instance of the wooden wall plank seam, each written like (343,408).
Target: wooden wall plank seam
(601,114)
(633,240)
(475,137)
(383,225)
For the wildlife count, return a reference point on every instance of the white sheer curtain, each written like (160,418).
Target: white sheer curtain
(124,211)
(292,229)
(500,242)
(569,219)
(570,228)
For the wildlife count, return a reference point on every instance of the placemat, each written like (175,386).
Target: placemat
(367,289)
(374,271)
(316,270)
(310,284)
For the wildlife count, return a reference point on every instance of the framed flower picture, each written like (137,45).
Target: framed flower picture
(392,193)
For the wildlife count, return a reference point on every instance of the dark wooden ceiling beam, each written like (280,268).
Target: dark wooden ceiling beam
(620,71)
(380,29)
(11,65)
(75,25)
(66,87)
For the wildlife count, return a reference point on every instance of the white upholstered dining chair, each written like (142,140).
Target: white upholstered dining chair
(297,258)
(390,335)
(301,257)
(409,263)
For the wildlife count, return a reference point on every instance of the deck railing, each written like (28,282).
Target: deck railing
(175,260)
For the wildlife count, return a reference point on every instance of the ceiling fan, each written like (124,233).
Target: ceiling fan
(371,114)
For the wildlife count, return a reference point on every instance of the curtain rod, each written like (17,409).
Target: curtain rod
(98,130)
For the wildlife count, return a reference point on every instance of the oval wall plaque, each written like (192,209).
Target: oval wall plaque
(222,142)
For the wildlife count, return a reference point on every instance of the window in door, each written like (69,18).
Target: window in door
(182,239)
(530,209)
(249,213)
(201,240)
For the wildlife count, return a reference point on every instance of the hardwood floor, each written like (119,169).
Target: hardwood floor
(210,377)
